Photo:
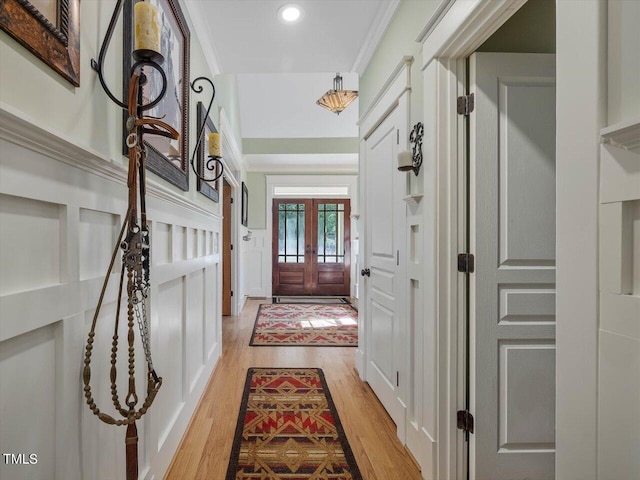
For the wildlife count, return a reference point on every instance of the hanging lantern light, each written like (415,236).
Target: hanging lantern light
(337,99)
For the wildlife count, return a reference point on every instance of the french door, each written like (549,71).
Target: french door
(311,247)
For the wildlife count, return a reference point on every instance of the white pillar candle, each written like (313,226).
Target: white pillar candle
(147,21)
(405,161)
(214,145)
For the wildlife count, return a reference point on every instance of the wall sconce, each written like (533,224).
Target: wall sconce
(214,159)
(412,160)
(134,238)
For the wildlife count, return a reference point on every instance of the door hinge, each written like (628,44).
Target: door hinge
(398,136)
(466,104)
(465,421)
(397,379)
(231,247)
(398,257)
(466,263)
(231,198)
(232,293)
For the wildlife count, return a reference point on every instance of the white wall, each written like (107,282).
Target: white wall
(619,250)
(61,208)
(62,198)
(581,71)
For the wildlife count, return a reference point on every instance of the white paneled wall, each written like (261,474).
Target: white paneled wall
(61,209)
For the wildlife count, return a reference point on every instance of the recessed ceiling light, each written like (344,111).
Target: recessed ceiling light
(290,13)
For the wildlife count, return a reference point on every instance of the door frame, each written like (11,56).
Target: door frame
(456,29)
(232,161)
(393,96)
(304,185)
(311,267)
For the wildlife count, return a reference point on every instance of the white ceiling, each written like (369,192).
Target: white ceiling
(282,69)
(283,105)
(246,36)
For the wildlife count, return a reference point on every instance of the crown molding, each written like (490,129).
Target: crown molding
(378,28)
(202,30)
(434,20)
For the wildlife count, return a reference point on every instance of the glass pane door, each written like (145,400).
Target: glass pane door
(291,232)
(330,232)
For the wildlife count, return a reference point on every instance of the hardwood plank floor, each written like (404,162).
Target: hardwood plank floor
(206,446)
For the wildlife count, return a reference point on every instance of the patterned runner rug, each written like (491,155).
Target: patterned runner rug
(288,429)
(303,324)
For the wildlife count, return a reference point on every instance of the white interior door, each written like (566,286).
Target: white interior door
(512,292)
(385,210)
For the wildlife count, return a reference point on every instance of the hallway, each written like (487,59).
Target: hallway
(206,445)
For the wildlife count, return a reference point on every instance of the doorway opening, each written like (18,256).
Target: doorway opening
(508,133)
(311,247)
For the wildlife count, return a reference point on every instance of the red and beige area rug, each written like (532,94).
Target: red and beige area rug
(310,325)
(288,429)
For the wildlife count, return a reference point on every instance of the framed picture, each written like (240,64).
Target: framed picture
(245,205)
(50,29)
(165,157)
(208,189)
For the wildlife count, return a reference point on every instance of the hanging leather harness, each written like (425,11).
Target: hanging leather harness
(134,242)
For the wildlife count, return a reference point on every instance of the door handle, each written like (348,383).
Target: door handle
(365,272)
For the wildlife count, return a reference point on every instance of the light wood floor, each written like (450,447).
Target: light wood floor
(206,446)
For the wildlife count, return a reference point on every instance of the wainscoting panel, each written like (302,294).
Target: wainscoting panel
(31,229)
(98,232)
(61,209)
(29,404)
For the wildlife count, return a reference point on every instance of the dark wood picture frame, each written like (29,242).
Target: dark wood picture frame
(244,218)
(208,189)
(173,168)
(55,41)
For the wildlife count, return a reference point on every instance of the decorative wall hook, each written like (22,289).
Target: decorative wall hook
(416,139)
(214,159)
(412,160)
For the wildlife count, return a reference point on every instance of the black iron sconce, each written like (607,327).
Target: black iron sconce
(412,160)
(145,54)
(214,159)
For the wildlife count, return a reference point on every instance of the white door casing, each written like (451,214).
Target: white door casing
(512,292)
(619,332)
(384,229)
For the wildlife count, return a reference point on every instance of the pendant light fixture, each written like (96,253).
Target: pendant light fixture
(337,100)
